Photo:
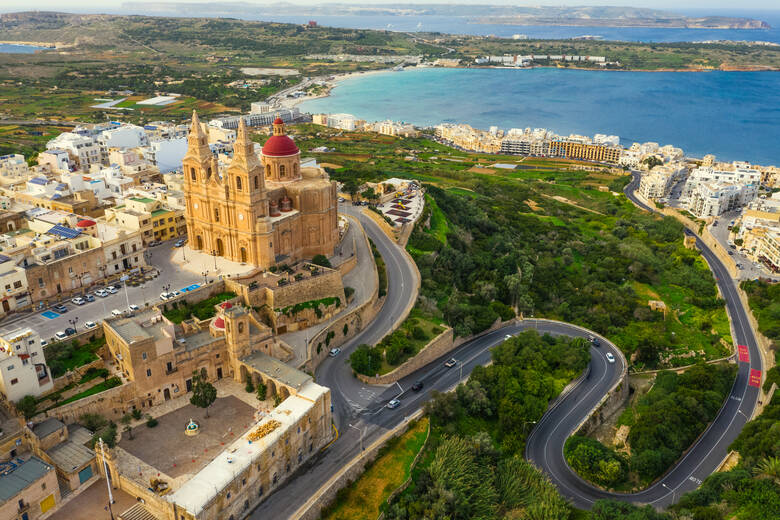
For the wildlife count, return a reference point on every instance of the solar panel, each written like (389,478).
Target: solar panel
(64,232)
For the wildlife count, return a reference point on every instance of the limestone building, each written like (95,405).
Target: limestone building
(259,210)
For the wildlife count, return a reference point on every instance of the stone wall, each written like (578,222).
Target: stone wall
(435,348)
(313,507)
(310,288)
(111,403)
(75,375)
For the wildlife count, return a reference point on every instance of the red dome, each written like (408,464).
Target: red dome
(219,323)
(278,121)
(226,305)
(280,146)
(85,223)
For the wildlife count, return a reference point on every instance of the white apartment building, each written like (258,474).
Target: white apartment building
(737,175)
(342,121)
(13,165)
(630,158)
(710,199)
(656,183)
(606,140)
(166,154)
(55,159)
(13,286)
(123,136)
(23,369)
(84,150)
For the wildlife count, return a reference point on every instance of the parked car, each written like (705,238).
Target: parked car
(167,296)
(116,312)
(89,297)
(154,243)
(394,403)
(180,243)
(60,308)
(70,331)
(417,386)
(78,300)
(334,352)
(101,292)
(112,289)
(133,307)
(610,357)
(451,363)
(90,325)
(60,335)
(44,342)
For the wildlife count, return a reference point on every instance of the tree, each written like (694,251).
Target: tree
(769,467)
(27,406)
(321,260)
(203,392)
(369,194)
(262,391)
(126,420)
(652,161)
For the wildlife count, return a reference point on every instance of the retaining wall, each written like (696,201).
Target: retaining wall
(435,348)
(110,403)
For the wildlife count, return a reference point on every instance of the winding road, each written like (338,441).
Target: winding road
(360,415)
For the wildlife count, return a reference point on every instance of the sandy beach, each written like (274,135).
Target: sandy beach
(331,82)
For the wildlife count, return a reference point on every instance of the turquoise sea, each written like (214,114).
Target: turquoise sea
(12,48)
(735,115)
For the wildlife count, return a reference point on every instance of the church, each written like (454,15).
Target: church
(260,211)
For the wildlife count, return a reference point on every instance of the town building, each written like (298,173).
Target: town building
(149,216)
(261,211)
(710,199)
(570,149)
(83,151)
(656,183)
(13,286)
(23,369)
(28,489)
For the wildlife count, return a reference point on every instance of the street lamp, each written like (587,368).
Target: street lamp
(670,489)
(205,279)
(214,254)
(362,433)
(73,321)
(527,422)
(743,414)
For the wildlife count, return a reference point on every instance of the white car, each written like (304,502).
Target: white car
(112,290)
(167,296)
(394,403)
(60,335)
(610,357)
(90,324)
(116,312)
(101,292)
(334,352)
(78,300)
(133,307)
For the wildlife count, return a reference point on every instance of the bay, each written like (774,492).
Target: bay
(735,115)
(12,48)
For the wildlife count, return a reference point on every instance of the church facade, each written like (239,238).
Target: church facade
(262,210)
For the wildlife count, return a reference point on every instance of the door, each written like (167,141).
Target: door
(188,382)
(47,503)
(6,307)
(167,394)
(219,372)
(85,474)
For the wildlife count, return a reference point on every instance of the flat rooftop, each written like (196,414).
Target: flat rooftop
(277,369)
(16,476)
(198,492)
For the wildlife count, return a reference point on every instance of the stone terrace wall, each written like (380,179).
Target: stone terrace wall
(435,348)
(110,403)
(317,287)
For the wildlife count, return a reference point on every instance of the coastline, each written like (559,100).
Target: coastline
(331,83)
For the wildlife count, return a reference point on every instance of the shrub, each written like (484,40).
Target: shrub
(151,422)
(27,406)
(321,260)
(262,391)
(136,414)
(419,334)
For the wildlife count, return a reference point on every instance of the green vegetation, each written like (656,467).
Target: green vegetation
(764,300)
(472,466)
(100,427)
(311,304)
(381,269)
(364,498)
(27,405)
(111,382)
(93,373)
(398,346)
(203,393)
(688,401)
(203,310)
(64,356)
(321,260)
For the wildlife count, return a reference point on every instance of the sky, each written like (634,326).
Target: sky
(8,5)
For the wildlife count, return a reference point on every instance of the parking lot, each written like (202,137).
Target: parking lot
(47,322)
(748,270)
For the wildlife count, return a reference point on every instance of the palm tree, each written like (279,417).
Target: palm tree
(768,467)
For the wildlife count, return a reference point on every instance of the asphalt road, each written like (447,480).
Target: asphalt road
(545,445)
(361,415)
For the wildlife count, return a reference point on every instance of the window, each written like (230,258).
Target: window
(257,187)
(170,219)
(8,287)
(281,171)
(228,495)
(40,283)
(43,486)
(238,183)
(148,372)
(143,355)
(14,381)
(193,176)
(10,367)
(216,214)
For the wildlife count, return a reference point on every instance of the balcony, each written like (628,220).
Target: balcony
(171,371)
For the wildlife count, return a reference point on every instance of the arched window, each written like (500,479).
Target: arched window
(295,169)
(216,214)
(240,328)
(267,170)
(238,183)
(281,171)
(193,175)
(199,242)
(208,173)
(243,255)
(220,247)
(257,182)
